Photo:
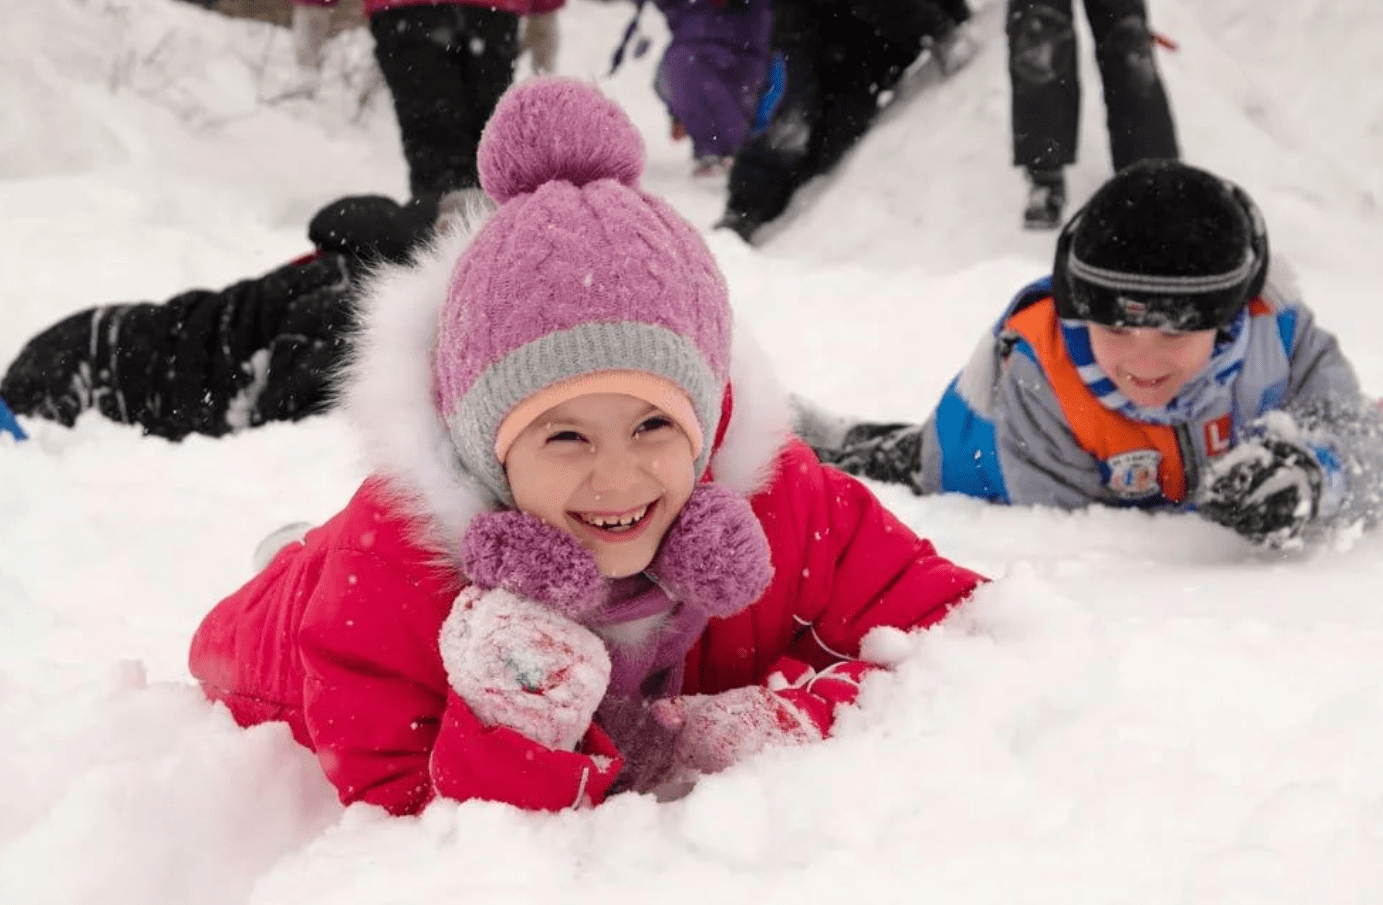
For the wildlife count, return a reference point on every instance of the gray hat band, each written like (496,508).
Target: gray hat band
(1161,285)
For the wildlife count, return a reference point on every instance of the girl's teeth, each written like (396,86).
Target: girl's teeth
(623,521)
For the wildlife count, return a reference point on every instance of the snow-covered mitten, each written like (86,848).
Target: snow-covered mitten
(517,663)
(523,554)
(715,731)
(797,705)
(1267,489)
(539,38)
(715,556)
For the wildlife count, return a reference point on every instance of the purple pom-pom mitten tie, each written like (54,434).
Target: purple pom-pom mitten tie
(715,556)
(524,555)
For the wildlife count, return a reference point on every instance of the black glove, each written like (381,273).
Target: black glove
(1267,490)
(370,229)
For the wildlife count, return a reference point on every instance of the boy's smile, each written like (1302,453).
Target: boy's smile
(1149,365)
(611,470)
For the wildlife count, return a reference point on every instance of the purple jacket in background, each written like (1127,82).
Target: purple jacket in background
(714,70)
(745,25)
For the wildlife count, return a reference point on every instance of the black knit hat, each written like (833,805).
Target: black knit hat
(1161,244)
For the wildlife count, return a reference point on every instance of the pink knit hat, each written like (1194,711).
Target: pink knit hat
(580,283)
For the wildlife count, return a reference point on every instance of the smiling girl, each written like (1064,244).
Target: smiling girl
(590,558)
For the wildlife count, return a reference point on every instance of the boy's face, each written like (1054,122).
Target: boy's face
(611,470)
(1149,365)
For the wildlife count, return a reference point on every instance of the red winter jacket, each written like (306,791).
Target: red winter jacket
(519,7)
(338,636)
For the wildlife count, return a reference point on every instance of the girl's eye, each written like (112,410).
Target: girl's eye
(566,437)
(657,422)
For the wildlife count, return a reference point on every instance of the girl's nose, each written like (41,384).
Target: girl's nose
(614,469)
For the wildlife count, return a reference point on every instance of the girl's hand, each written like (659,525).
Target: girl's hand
(519,664)
(715,731)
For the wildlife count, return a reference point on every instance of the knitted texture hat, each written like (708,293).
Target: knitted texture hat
(580,283)
(1161,244)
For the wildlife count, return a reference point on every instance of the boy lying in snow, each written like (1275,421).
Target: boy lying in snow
(1164,364)
(215,361)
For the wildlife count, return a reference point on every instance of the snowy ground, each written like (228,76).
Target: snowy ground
(1140,709)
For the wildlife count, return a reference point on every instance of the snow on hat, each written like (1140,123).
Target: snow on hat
(580,283)
(1161,244)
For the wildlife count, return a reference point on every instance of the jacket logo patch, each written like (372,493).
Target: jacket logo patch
(1217,436)
(1133,475)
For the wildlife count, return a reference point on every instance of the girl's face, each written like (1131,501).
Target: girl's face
(1148,365)
(611,470)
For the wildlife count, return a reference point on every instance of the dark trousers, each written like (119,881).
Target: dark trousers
(891,453)
(446,66)
(1046,88)
(206,362)
(837,65)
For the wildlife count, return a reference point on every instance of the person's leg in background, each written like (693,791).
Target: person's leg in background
(1045,102)
(446,66)
(773,162)
(949,41)
(891,453)
(860,63)
(1138,113)
(710,91)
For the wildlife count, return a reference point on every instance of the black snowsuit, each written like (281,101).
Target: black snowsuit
(839,55)
(446,65)
(215,361)
(1046,88)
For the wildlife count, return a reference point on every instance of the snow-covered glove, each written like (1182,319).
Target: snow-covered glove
(523,554)
(539,38)
(797,706)
(715,556)
(519,664)
(311,28)
(1267,489)
(715,731)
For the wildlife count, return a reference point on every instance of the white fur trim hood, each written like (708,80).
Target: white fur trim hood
(387,393)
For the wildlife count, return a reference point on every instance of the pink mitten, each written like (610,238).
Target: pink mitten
(718,730)
(523,554)
(715,555)
(519,664)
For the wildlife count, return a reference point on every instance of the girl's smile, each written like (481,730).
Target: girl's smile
(614,527)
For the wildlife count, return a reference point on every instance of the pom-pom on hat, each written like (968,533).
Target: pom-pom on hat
(580,283)
(1164,245)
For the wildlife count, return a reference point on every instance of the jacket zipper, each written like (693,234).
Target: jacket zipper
(1190,463)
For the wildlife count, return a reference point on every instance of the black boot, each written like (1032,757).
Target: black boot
(742,225)
(1046,199)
